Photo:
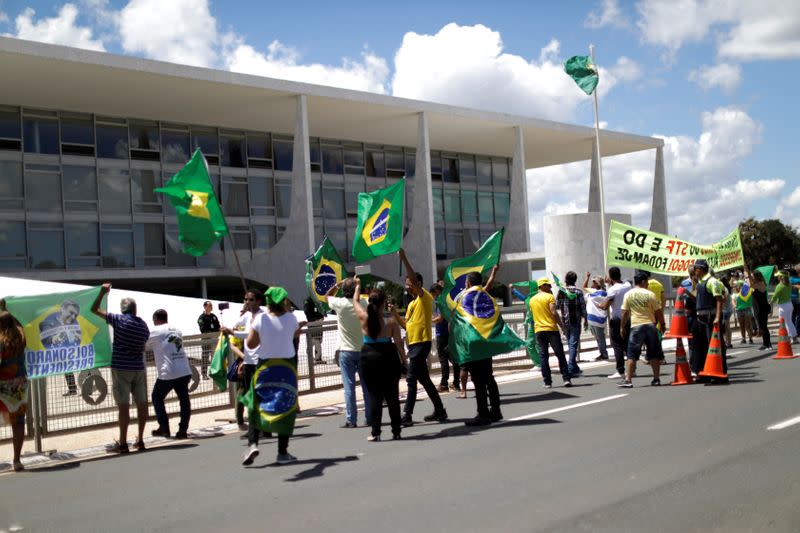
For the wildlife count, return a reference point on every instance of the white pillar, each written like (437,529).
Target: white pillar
(517,237)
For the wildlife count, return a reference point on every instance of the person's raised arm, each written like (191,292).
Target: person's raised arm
(412,275)
(492,275)
(334,289)
(586,281)
(361,314)
(104,289)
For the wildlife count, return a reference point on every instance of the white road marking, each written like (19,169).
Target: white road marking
(785,424)
(565,408)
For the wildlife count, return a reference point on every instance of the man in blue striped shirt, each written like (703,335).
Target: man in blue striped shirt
(127,366)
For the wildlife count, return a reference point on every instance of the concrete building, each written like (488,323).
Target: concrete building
(86,136)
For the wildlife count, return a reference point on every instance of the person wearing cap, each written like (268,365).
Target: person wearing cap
(546,323)
(613,302)
(782,299)
(642,310)
(709,294)
(744,311)
(597,317)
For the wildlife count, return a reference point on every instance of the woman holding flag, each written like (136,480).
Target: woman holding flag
(13,381)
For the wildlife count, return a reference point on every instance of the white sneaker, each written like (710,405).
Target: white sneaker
(285,458)
(615,375)
(250,456)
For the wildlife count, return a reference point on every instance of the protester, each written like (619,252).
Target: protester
(173,373)
(711,295)
(418,324)
(642,310)
(442,344)
(351,341)
(782,298)
(127,366)
(573,312)
(727,312)
(13,382)
(761,306)
(207,322)
(272,337)
(597,317)
(615,294)
(744,311)
(382,359)
(546,323)
(795,282)
(315,332)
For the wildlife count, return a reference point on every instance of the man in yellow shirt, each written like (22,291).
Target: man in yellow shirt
(546,322)
(644,311)
(418,324)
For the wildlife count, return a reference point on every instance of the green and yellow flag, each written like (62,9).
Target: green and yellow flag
(218,371)
(583,70)
(200,220)
(379,229)
(531,346)
(324,269)
(561,288)
(272,396)
(62,335)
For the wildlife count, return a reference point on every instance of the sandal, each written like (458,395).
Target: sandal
(139,445)
(117,447)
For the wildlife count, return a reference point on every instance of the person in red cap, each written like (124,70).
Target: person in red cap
(710,295)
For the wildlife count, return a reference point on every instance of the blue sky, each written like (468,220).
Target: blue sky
(713,78)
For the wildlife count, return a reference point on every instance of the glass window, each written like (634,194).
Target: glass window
(436,166)
(486,207)
(283,199)
(315,155)
(213,256)
(472,241)
(112,141)
(500,171)
(258,146)
(234,197)
(332,160)
(175,146)
(395,161)
(338,237)
(206,140)
(12,189)
(409,207)
(354,158)
(144,136)
(333,199)
(80,188)
(115,191)
(149,241)
(484,168)
(41,135)
(376,167)
(262,196)
(501,207)
(43,191)
(9,124)
(452,206)
(316,196)
(466,168)
(351,197)
(283,154)
(411,165)
(438,205)
(175,257)
(12,245)
(142,184)
(76,130)
(469,206)
(116,243)
(83,245)
(232,151)
(241,240)
(46,246)
(450,169)
(455,243)
(441,243)
(264,237)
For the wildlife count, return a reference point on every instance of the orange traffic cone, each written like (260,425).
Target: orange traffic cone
(683,374)
(713,366)
(679,325)
(784,345)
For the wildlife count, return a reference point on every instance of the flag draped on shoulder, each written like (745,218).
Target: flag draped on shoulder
(273,396)
(379,230)
(219,363)
(200,220)
(583,70)
(324,269)
(531,346)
(557,282)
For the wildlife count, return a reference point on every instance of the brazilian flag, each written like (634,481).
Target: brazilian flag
(379,230)
(200,220)
(324,269)
(271,399)
(531,345)
(583,71)
(219,363)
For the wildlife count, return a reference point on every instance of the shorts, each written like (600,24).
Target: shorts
(127,382)
(645,335)
(744,313)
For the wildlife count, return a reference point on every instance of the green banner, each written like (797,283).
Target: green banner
(62,335)
(633,247)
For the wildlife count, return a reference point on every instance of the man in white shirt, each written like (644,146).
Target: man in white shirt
(351,340)
(615,294)
(174,373)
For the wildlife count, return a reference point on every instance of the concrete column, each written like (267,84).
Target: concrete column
(419,241)
(594,182)
(203,288)
(658,217)
(517,237)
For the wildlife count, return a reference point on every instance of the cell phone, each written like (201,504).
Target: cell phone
(362,269)
(223,306)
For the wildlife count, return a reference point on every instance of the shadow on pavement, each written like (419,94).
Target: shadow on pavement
(317,466)
(462,430)
(759,357)
(553,395)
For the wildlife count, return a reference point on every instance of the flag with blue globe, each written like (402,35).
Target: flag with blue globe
(324,269)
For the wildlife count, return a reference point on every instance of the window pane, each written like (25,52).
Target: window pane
(206,140)
(144,136)
(411,165)
(149,241)
(112,141)
(466,166)
(175,257)
(332,160)
(77,131)
(484,172)
(455,244)
(241,240)
(354,158)
(232,152)
(486,207)
(258,147)
(142,184)
(472,241)
(452,206)
(80,188)
(450,169)
(500,171)
(501,207)
(375,165)
(436,163)
(9,124)
(83,244)
(43,191)
(469,206)
(315,156)
(351,201)
(395,161)
(174,146)
(438,205)
(283,199)
(316,194)
(41,136)
(213,256)
(46,248)
(115,191)
(339,239)
(117,248)
(333,199)
(12,245)
(12,189)
(283,155)
(262,195)
(441,243)
(263,237)
(234,197)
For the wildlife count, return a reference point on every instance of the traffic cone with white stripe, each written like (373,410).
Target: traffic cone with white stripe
(683,374)
(713,366)
(784,344)
(679,324)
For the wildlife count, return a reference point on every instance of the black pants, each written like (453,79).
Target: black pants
(619,343)
(485,387)
(701,333)
(418,372)
(163,387)
(380,370)
(546,340)
(761,319)
(443,351)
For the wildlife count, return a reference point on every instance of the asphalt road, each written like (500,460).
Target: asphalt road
(590,458)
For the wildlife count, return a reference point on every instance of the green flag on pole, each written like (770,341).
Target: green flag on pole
(531,346)
(218,371)
(583,70)
(200,220)
(324,269)
(766,271)
(379,229)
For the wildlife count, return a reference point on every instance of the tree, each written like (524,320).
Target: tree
(769,242)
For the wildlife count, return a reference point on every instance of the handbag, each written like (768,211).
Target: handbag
(235,371)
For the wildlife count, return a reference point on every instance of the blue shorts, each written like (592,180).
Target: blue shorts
(645,335)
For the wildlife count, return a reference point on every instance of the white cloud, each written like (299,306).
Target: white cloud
(61,29)
(788,209)
(3,17)
(281,61)
(706,197)
(769,34)
(610,15)
(724,75)
(179,31)
(626,70)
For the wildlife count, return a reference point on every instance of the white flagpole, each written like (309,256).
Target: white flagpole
(600,171)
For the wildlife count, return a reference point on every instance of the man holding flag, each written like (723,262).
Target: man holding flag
(546,323)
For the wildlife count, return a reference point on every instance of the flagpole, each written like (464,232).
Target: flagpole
(600,171)
(238,265)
